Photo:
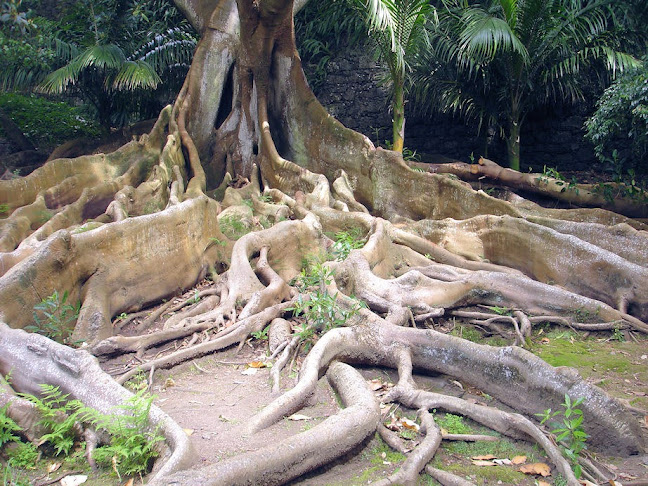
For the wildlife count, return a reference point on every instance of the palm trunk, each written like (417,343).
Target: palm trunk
(513,144)
(398,123)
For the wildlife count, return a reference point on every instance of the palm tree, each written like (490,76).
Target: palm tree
(496,60)
(103,70)
(398,29)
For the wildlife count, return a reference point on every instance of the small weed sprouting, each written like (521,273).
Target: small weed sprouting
(560,181)
(4,209)
(502,311)
(569,431)
(345,242)
(617,335)
(54,316)
(233,227)
(319,308)
(218,241)
(263,334)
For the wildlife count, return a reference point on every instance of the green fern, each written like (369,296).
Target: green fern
(59,416)
(7,427)
(133,446)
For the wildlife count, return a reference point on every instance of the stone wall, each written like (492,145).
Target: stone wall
(353,94)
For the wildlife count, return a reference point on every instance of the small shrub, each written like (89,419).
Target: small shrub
(47,123)
(54,317)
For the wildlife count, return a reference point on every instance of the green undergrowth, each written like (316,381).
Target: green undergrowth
(614,365)
(129,452)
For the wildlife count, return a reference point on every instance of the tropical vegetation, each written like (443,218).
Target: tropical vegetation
(109,54)
(495,61)
(619,127)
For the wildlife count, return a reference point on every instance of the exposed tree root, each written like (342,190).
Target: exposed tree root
(32,359)
(126,230)
(279,463)
(618,197)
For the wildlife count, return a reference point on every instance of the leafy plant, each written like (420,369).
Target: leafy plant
(47,123)
(619,127)
(23,455)
(569,430)
(345,242)
(316,304)
(132,446)
(54,316)
(233,227)
(7,427)
(263,334)
(59,416)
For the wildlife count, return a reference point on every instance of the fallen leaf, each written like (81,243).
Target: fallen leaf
(543,483)
(486,457)
(249,371)
(409,424)
(627,477)
(483,463)
(130,482)
(74,480)
(189,432)
(376,384)
(519,460)
(536,468)
(298,416)
(53,467)
(502,462)
(615,483)
(545,341)
(257,364)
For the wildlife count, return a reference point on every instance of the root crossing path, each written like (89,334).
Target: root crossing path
(298,233)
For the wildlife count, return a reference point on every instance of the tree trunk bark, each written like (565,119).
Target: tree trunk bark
(121,231)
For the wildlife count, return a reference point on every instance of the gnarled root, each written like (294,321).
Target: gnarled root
(32,360)
(292,457)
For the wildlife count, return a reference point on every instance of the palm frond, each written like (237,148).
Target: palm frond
(134,75)
(106,56)
(484,36)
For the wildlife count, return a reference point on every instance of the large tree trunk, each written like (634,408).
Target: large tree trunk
(128,229)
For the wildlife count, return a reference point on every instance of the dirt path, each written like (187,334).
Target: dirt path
(214,397)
